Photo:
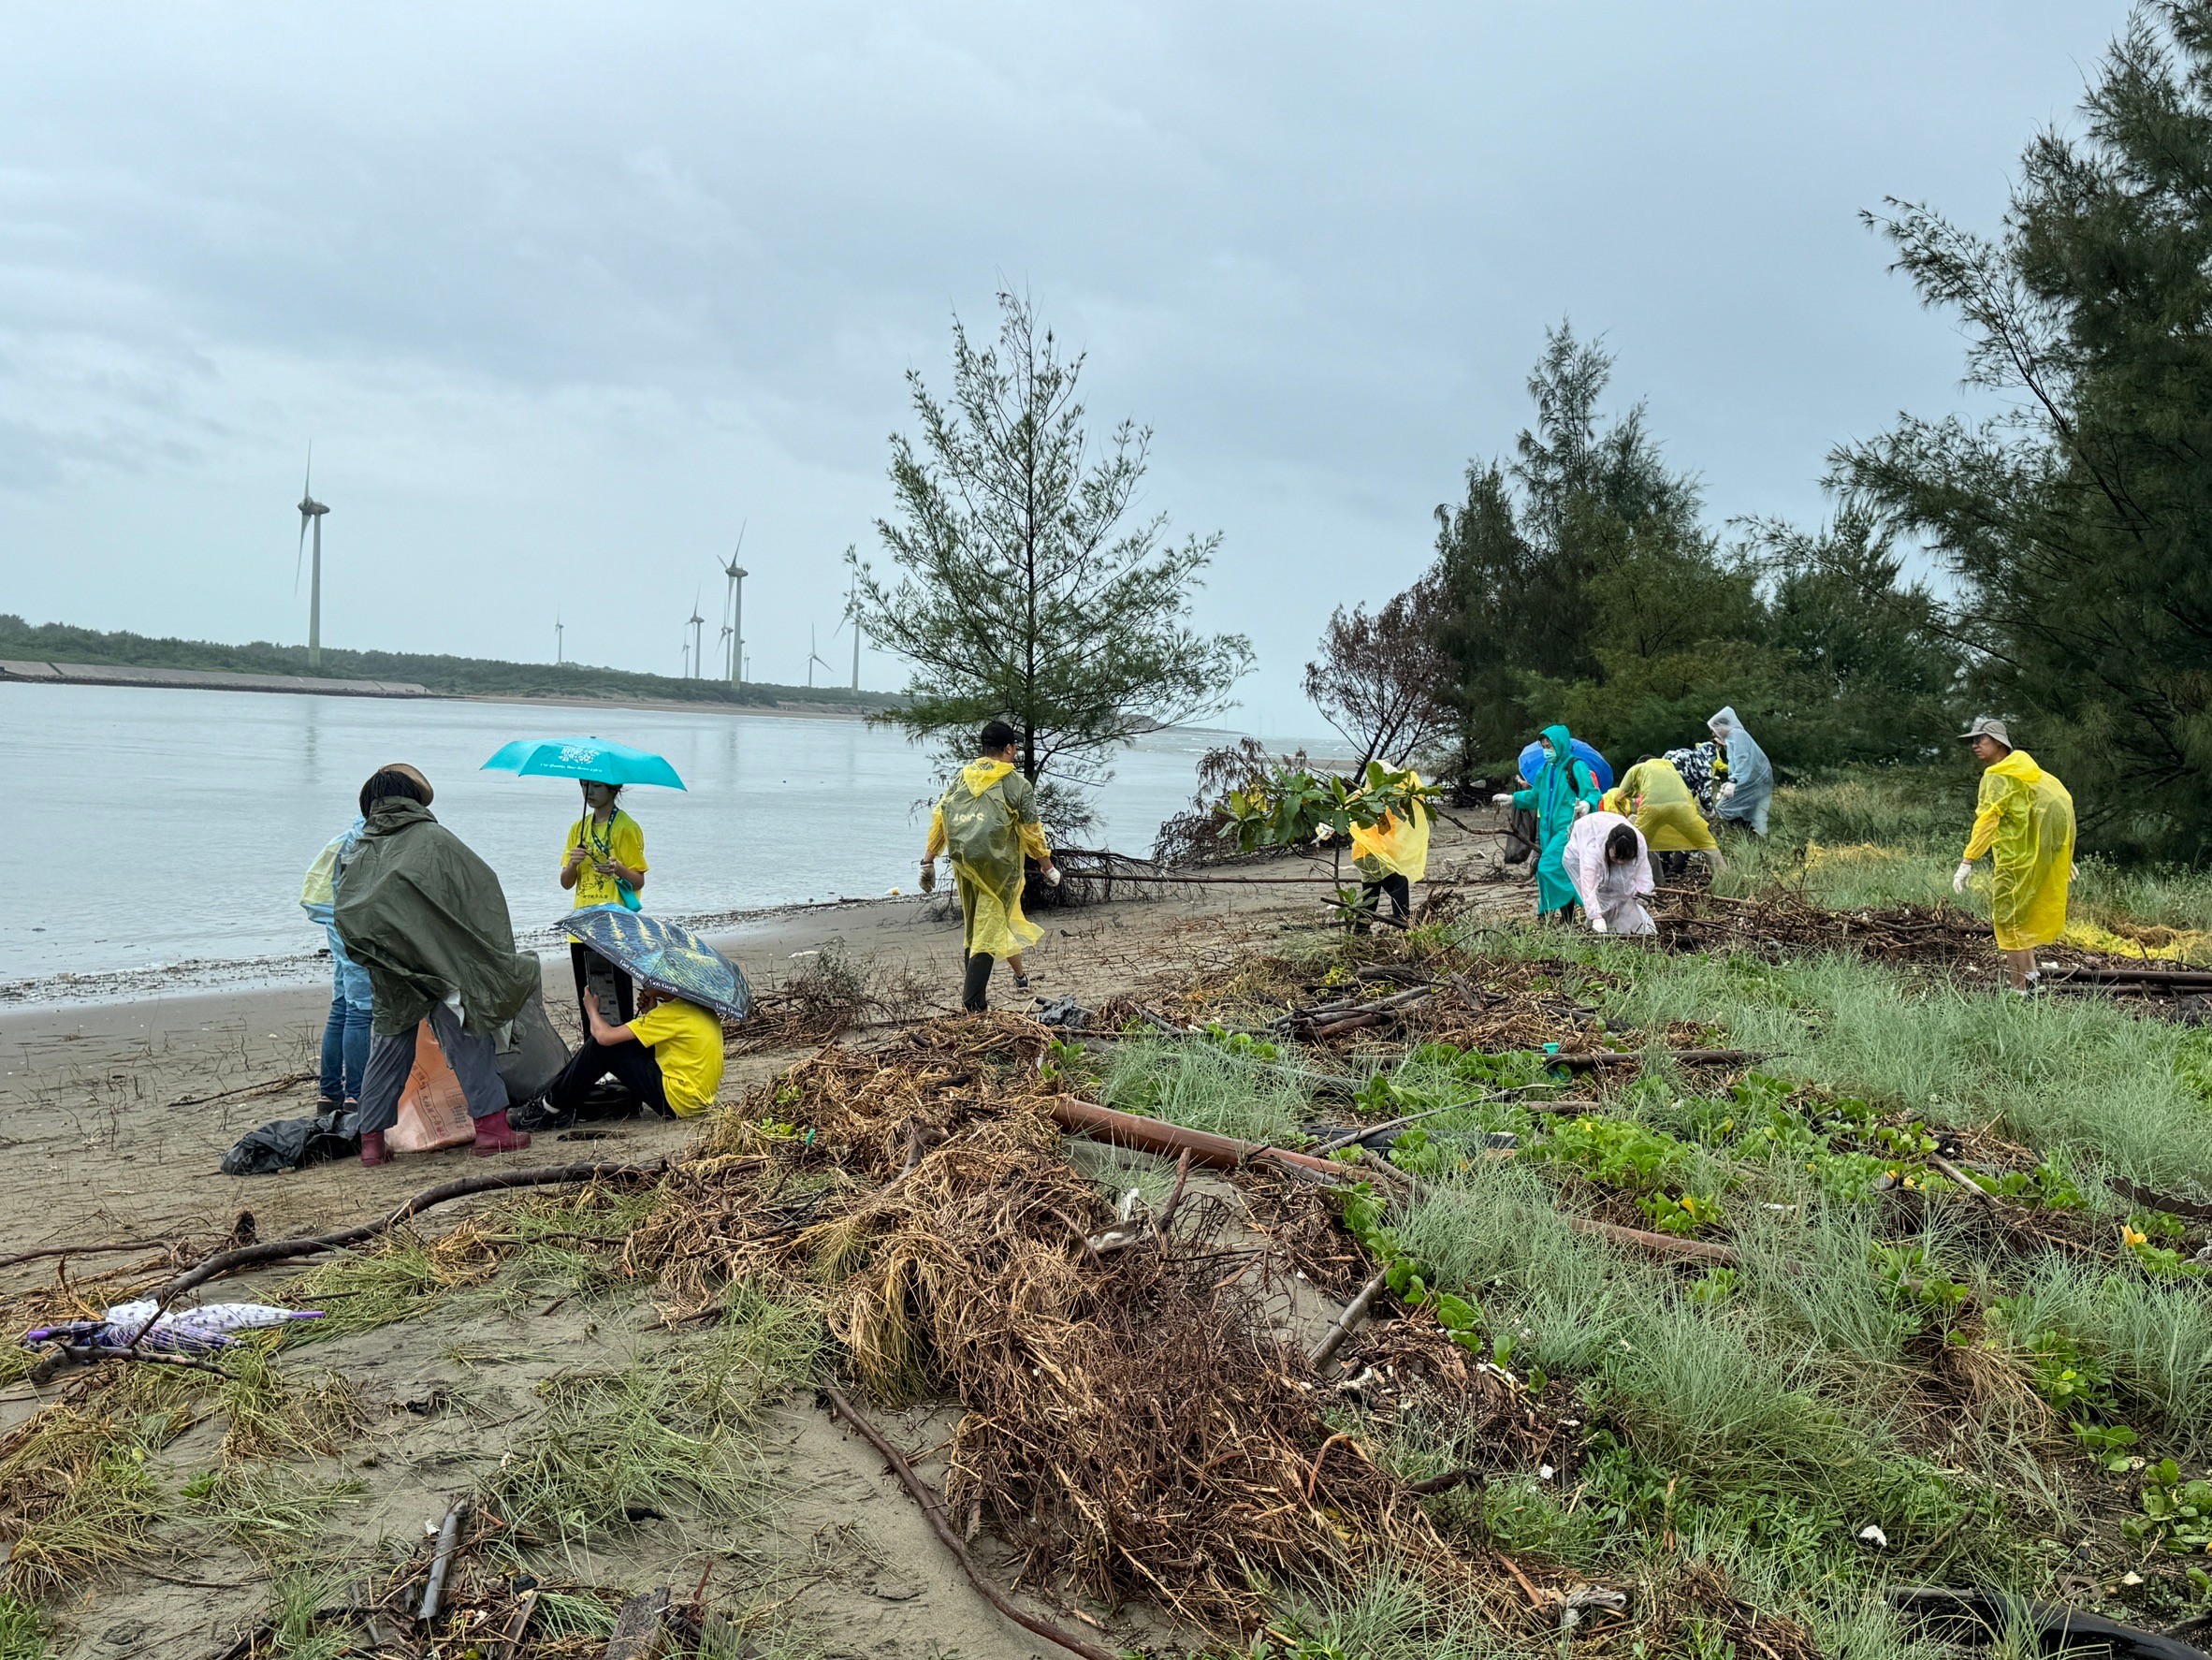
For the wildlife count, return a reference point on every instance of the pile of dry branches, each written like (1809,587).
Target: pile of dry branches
(1782,922)
(1133,1418)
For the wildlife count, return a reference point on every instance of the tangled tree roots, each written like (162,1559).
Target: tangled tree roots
(1133,1419)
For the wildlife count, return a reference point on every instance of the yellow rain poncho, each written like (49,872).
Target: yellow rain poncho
(1653,794)
(1393,846)
(2024,818)
(987,820)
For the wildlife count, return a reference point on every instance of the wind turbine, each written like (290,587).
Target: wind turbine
(734,610)
(311,513)
(851,620)
(813,656)
(698,657)
(686,660)
(558,657)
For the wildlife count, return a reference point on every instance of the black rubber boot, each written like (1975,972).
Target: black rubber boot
(977,982)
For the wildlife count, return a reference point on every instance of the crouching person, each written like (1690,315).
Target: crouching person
(670,1057)
(428,919)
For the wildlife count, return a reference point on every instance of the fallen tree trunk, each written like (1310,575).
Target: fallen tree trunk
(1221,1152)
(283,1250)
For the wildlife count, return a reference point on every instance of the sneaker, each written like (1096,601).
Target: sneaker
(538,1113)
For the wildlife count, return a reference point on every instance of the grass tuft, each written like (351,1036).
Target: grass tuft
(613,1448)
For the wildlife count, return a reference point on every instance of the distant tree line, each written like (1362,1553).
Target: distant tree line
(55,642)
(1579,580)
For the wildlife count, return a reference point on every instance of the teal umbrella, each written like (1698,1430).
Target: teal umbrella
(591,758)
(664,955)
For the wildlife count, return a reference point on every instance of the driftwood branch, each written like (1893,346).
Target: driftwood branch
(1348,1321)
(1221,1152)
(125,1244)
(284,1250)
(933,1510)
(433,1592)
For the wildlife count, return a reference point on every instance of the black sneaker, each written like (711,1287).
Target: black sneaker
(538,1113)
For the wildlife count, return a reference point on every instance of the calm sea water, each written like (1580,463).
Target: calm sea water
(153,827)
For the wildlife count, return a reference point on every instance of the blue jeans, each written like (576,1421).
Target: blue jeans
(345,1034)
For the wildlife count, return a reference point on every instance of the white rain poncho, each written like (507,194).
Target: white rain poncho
(1748,770)
(1614,891)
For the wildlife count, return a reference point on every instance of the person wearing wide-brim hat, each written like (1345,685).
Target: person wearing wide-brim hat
(428,919)
(2024,821)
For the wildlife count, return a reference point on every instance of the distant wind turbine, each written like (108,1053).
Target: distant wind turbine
(698,657)
(851,620)
(558,657)
(813,656)
(311,513)
(734,609)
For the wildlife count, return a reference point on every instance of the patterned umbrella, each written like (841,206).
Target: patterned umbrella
(664,955)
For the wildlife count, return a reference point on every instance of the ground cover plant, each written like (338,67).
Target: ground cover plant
(1899,1283)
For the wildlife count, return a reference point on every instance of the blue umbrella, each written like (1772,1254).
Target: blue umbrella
(593,758)
(664,955)
(1532,762)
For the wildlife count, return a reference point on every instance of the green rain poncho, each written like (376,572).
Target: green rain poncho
(426,918)
(1563,781)
(987,820)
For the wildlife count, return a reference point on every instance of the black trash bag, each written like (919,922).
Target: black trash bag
(1521,843)
(532,1053)
(290,1144)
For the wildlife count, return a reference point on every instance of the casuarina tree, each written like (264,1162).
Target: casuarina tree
(2078,524)
(1027,588)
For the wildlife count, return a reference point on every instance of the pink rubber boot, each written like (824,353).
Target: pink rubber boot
(373,1151)
(493,1135)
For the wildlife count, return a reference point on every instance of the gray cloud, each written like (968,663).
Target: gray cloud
(564,293)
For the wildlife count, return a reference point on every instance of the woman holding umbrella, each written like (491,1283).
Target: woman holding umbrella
(605,864)
(603,861)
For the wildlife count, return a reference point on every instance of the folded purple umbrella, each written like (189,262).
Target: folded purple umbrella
(175,1330)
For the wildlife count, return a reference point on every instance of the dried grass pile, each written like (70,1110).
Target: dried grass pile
(1132,1420)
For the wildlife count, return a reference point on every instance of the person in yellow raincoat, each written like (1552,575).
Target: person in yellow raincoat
(1654,795)
(2024,820)
(988,821)
(1391,856)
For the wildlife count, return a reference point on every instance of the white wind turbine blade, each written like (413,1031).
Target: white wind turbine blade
(307,494)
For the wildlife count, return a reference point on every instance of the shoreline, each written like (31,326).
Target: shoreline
(230,976)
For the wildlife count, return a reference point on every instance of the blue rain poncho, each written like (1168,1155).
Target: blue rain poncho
(1748,770)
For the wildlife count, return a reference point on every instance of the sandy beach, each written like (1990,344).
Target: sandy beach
(114,1116)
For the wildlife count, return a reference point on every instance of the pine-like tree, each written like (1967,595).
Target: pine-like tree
(2079,524)
(1024,593)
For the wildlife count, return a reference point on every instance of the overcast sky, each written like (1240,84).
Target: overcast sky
(565,293)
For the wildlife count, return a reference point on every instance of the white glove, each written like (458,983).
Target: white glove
(1728,790)
(1959,876)
(1582,807)
(1506,800)
(1052,874)
(930,876)
(1598,922)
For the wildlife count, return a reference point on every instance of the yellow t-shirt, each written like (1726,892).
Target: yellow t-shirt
(687,1041)
(619,839)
